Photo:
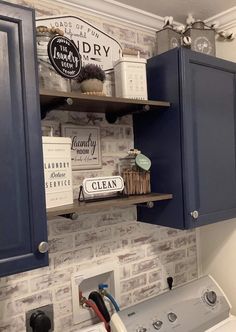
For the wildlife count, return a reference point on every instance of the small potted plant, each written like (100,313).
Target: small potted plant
(91,78)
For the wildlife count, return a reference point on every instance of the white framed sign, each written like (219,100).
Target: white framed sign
(95,46)
(85,146)
(57,171)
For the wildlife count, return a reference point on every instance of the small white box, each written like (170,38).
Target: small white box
(130,78)
(57,171)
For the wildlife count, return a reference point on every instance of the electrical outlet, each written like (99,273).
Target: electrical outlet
(88,281)
(47,309)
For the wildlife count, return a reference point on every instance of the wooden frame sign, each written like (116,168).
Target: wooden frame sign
(85,146)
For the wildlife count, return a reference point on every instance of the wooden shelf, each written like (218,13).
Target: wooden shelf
(72,101)
(83,207)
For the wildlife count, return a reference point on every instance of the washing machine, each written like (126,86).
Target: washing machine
(228,325)
(94,328)
(198,306)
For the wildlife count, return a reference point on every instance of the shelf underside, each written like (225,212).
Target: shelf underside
(85,207)
(100,104)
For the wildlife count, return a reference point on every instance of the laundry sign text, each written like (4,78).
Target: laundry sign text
(94,45)
(85,146)
(64,56)
(99,185)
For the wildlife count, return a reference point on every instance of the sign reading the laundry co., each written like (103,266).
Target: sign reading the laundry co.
(64,56)
(85,146)
(94,45)
(103,185)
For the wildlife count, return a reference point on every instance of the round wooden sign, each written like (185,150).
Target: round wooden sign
(64,56)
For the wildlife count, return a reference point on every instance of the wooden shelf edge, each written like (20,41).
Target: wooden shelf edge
(82,207)
(80,96)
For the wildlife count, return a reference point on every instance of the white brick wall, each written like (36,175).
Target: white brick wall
(146,254)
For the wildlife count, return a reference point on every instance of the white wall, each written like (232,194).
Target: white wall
(217,242)
(217,252)
(227,49)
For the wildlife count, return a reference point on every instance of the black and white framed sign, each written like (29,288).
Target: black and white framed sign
(85,146)
(64,56)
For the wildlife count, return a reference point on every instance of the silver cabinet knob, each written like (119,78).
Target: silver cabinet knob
(43,247)
(194,214)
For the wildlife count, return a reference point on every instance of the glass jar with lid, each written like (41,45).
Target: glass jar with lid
(49,79)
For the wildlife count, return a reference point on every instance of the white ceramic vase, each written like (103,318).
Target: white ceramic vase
(91,85)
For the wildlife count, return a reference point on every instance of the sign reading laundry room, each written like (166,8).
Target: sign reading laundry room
(95,46)
(64,56)
(85,146)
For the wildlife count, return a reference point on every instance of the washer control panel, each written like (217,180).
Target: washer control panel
(195,306)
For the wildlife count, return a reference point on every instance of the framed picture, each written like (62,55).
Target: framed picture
(85,146)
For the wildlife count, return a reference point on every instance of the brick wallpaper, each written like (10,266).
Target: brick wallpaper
(146,254)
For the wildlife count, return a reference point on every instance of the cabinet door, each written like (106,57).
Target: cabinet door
(209,127)
(22,207)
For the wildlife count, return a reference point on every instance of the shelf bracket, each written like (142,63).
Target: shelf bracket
(55,104)
(72,216)
(148,205)
(112,117)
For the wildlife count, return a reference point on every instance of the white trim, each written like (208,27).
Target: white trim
(199,252)
(115,10)
(226,19)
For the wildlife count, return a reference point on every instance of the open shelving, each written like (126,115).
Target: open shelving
(88,207)
(113,108)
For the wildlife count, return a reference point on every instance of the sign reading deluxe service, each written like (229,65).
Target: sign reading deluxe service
(94,45)
(57,171)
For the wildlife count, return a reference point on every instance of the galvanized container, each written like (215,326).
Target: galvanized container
(203,39)
(167,39)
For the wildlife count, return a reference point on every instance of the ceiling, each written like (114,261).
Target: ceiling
(179,9)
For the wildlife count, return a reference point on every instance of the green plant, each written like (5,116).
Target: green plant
(91,71)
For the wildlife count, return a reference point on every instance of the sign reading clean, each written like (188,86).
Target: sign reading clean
(103,185)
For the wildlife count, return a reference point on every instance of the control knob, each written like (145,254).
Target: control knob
(210,297)
(172,317)
(141,329)
(157,324)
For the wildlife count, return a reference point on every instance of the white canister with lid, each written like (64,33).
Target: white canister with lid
(130,77)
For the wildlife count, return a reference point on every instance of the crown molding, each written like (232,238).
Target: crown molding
(226,19)
(129,15)
(115,10)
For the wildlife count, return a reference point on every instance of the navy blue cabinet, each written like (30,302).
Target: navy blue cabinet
(192,145)
(22,203)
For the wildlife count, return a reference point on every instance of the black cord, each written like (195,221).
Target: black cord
(98,299)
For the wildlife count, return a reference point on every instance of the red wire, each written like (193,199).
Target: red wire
(98,313)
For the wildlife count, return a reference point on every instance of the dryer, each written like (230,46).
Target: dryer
(198,306)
